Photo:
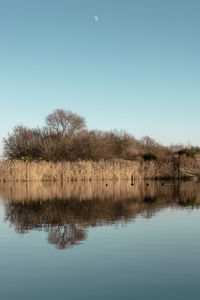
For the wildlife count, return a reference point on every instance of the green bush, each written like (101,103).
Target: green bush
(189,152)
(149,156)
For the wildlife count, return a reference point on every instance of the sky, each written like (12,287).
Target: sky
(132,65)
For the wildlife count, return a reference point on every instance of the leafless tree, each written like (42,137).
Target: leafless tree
(65,122)
(23,142)
(148,142)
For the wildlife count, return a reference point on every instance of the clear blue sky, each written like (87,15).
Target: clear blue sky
(137,68)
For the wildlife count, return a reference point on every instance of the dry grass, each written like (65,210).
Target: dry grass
(89,170)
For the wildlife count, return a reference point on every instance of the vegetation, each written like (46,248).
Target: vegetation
(18,170)
(190,152)
(63,149)
(65,138)
(149,156)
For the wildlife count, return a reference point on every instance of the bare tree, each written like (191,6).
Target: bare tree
(148,142)
(65,122)
(22,142)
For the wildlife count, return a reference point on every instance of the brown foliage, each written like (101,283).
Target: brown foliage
(65,138)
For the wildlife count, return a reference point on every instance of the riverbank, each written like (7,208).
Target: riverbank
(17,170)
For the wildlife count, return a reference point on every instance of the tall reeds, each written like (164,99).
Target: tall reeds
(17,170)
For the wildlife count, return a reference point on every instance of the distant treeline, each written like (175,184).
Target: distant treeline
(65,138)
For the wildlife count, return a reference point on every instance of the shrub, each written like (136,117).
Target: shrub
(189,152)
(149,156)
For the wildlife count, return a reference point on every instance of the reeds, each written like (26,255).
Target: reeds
(17,170)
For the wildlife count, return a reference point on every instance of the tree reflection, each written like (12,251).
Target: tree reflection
(66,236)
(66,221)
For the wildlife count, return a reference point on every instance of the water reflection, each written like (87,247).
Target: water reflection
(66,211)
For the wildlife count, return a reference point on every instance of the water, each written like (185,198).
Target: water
(92,241)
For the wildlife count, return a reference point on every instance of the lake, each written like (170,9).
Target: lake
(100,240)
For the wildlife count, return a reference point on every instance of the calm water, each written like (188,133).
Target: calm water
(91,241)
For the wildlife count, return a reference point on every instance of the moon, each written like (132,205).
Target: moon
(96,18)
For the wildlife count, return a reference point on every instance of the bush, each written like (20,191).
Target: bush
(149,156)
(189,152)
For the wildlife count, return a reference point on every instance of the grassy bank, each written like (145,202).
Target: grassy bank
(17,170)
